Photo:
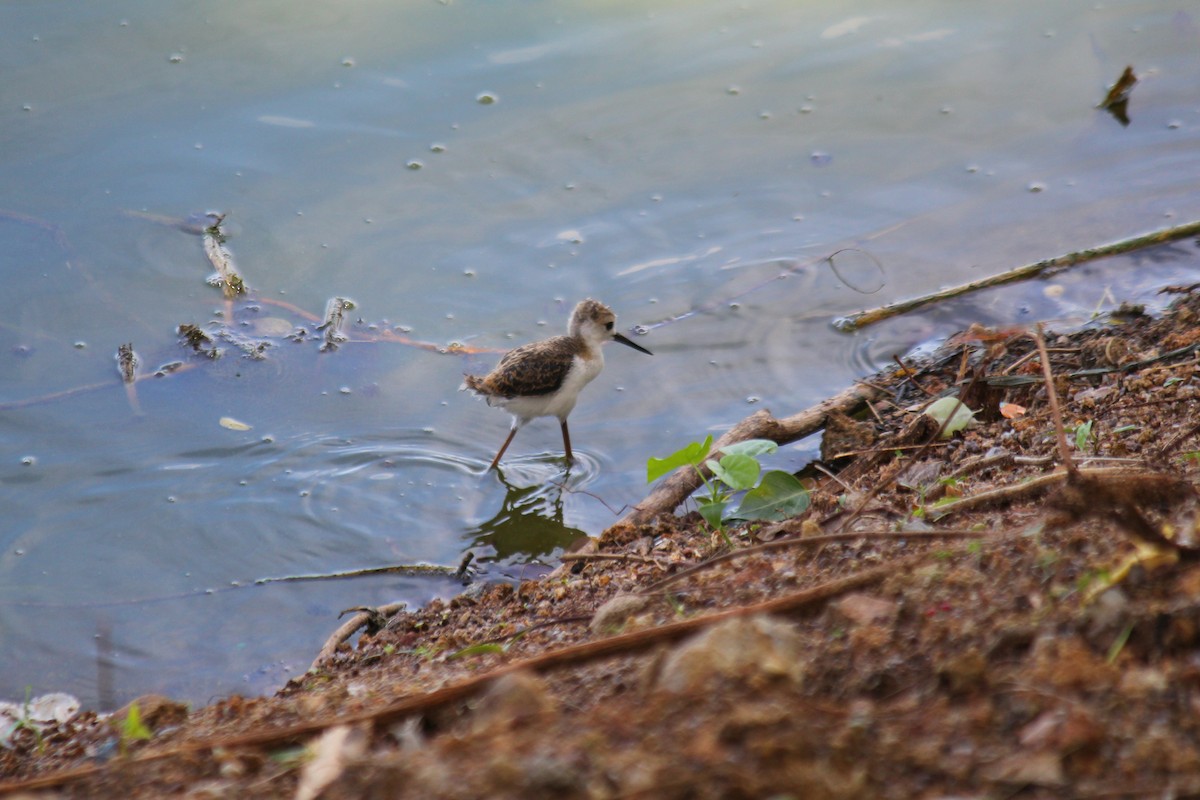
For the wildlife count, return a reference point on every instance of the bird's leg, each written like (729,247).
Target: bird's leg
(504,446)
(567,441)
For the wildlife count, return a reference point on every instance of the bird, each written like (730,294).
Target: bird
(544,378)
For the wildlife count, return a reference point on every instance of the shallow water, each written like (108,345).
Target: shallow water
(693,166)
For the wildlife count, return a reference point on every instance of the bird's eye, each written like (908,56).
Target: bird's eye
(608,326)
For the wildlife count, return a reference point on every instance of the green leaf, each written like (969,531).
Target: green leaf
(1083,432)
(736,471)
(750,447)
(693,454)
(713,513)
(133,727)
(950,408)
(780,496)
(477,650)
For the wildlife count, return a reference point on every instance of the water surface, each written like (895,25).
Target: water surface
(465,172)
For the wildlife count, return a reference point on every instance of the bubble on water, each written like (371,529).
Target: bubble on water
(437,147)
(414,164)
(28,461)
(820,158)
(1035,187)
(486,98)
(733,90)
(175,58)
(349,62)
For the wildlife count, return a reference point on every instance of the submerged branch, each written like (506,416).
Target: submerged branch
(861,319)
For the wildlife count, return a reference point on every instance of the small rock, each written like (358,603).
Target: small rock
(749,650)
(1141,682)
(1039,769)
(1061,731)
(1108,614)
(511,701)
(612,616)
(864,609)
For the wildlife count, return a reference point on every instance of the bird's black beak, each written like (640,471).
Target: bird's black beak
(624,340)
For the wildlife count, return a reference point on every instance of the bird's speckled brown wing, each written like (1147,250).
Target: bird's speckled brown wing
(529,371)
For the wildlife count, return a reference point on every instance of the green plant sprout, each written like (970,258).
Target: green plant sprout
(26,722)
(777,496)
(132,729)
(1083,434)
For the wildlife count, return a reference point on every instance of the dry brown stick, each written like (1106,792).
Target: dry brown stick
(1175,441)
(1052,396)
(348,629)
(680,484)
(1032,488)
(569,557)
(1003,495)
(912,376)
(405,707)
(806,541)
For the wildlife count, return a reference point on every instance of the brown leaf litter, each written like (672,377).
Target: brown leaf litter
(964,618)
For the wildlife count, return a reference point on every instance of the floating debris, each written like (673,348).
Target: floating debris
(127,368)
(1116,102)
(199,340)
(226,276)
(127,363)
(335,318)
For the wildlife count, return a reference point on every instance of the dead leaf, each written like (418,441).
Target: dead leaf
(1011,410)
(330,754)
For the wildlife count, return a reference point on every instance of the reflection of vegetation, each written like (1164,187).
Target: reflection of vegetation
(529,524)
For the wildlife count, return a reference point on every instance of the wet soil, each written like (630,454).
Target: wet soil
(961,618)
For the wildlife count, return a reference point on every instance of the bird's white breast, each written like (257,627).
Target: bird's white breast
(560,402)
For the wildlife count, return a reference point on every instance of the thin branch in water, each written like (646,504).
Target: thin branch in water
(862,319)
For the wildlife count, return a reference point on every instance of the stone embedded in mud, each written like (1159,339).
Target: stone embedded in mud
(612,615)
(754,650)
(864,609)
(155,711)
(511,701)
